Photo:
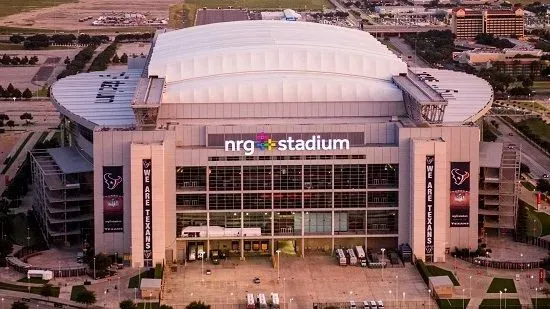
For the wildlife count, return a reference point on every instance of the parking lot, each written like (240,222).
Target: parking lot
(305,281)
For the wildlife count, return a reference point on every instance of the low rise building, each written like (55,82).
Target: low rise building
(512,61)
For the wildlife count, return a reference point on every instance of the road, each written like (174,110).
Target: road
(538,162)
(408,53)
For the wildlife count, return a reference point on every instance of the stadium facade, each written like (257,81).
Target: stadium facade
(253,136)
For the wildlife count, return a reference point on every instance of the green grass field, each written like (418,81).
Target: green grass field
(499,284)
(77,289)
(538,127)
(541,221)
(21,288)
(135,280)
(190,7)
(539,303)
(10,7)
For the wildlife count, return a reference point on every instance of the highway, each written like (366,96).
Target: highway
(538,162)
(408,53)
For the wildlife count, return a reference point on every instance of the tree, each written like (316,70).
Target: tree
(165,307)
(102,262)
(24,60)
(15,60)
(127,304)
(27,117)
(46,290)
(197,305)
(19,305)
(4,117)
(27,94)
(86,297)
(5,59)
(527,82)
(521,222)
(124,58)
(67,60)
(543,185)
(6,247)
(17,93)
(524,168)
(10,89)
(116,59)
(16,39)
(10,123)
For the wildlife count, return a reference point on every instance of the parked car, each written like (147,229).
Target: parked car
(257,280)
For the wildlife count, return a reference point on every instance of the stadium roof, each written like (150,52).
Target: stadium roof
(468,96)
(97,98)
(274,61)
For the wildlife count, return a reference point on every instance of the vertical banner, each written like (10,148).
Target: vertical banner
(430,181)
(460,194)
(113,200)
(542,275)
(147,214)
(539,200)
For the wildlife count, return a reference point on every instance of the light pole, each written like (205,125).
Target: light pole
(104,298)
(391,298)
(499,299)
(278,264)
(397,288)
(284,291)
(521,261)
(470,287)
(429,299)
(463,297)
(118,288)
(536,298)
(403,299)
(135,295)
(94,269)
(383,249)
(201,256)
(505,289)
(487,261)
(2,302)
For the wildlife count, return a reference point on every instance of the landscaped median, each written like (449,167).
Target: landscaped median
(499,284)
(22,288)
(497,303)
(427,271)
(452,303)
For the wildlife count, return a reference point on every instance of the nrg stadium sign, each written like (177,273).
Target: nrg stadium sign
(264,142)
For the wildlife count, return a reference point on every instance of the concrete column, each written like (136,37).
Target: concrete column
(208,248)
(332,246)
(242,249)
(303,247)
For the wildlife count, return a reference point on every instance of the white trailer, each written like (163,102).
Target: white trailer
(342,260)
(361,256)
(352,257)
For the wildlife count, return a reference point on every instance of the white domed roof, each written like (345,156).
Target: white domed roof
(287,59)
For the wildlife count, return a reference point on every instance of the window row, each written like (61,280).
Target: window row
(228,224)
(287,177)
(282,200)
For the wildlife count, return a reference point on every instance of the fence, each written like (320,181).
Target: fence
(484,262)
(534,241)
(392,304)
(19,263)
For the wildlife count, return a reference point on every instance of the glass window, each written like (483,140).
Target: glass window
(382,222)
(190,201)
(185,220)
(257,177)
(225,219)
(191,178)
(261,220)
(288,223)
(350,199)
(225,201)
(383,199)
(383,176)
(349,222)
(317,177)
(317,223)
(257,201)
(317,200)
(225,178)
(287,177)
(287,200)
(350,176)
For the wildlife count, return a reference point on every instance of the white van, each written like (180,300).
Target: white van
(275,301)
(261,301)
(250,304)
(366,304)
(352,305)
(373,305)
(200,252)
(380,304)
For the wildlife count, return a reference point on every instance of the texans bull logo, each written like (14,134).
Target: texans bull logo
(459,176)
(111,182)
